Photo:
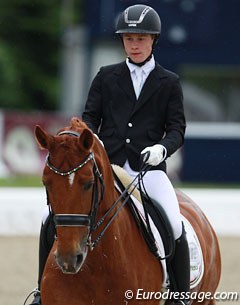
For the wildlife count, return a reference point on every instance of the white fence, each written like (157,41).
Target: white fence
(21,209)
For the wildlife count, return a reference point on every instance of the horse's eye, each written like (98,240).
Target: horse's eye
(87,185)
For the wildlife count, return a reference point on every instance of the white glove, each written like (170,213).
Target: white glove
(157,154)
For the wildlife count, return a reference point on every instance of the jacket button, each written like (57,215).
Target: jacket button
(128,140)
(130,124)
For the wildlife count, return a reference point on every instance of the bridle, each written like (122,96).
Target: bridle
(80,220)
(90,221)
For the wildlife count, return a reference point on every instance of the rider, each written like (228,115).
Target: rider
(135,107)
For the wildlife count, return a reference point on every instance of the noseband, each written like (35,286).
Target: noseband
(80,220)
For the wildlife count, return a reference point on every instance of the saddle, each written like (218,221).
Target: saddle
(149,215)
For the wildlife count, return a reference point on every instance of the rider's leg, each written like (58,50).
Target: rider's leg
(45,244)
(159,187)
(180,265)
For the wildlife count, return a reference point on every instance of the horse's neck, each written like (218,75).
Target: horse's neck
(109,189)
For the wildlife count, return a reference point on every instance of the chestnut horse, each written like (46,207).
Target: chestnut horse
(76,171)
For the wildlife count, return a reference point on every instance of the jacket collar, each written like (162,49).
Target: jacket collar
(146,68)
(122,68)
(149,88)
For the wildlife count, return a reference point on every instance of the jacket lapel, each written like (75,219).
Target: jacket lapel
(151,85)
(124,81)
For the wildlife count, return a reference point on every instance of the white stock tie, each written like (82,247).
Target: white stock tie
(138,82)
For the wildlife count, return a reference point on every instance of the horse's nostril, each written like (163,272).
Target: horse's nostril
(79,259)
(69,264)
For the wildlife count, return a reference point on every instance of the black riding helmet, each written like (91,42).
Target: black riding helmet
(139,19)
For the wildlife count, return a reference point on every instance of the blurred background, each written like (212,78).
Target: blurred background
(49,54)
(51,50)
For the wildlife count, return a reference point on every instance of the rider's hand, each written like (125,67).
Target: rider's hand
(157,154)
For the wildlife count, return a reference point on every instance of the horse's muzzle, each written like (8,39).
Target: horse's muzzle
(70,263)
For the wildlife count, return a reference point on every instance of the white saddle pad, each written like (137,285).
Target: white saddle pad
(195,251)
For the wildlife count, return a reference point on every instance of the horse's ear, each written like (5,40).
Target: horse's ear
(86,139)
(43,139)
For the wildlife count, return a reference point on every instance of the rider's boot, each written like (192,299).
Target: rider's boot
(46,239)
(180,267)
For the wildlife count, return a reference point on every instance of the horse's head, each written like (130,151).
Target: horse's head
(74,188)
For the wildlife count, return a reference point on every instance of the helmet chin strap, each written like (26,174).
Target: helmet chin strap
(140,64)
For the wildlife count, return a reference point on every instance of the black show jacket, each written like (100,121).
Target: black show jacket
(127,125)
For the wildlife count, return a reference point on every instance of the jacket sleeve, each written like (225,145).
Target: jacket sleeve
(92,114)
(175,120)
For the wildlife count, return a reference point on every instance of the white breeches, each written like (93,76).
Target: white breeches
(159,187)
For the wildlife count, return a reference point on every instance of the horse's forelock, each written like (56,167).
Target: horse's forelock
(77,123)
(86,141)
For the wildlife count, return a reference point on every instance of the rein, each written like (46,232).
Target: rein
(90,220)
(83,220)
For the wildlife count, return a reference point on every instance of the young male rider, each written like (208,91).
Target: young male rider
(135,107)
